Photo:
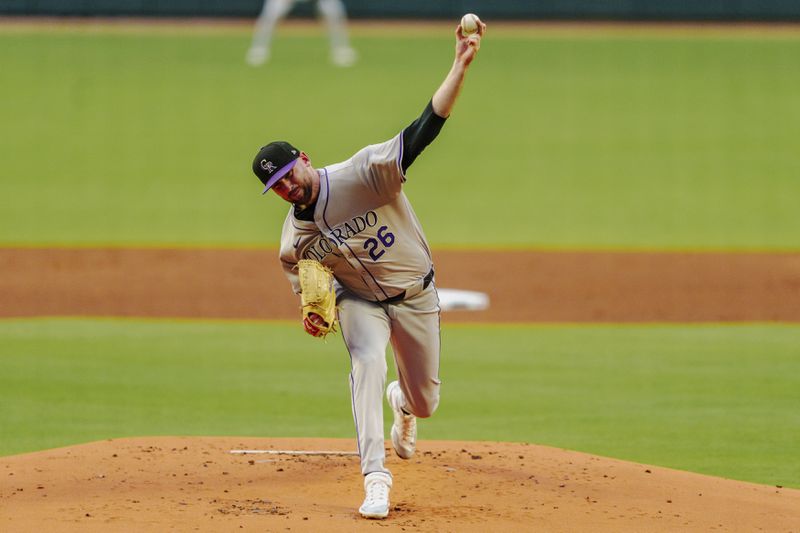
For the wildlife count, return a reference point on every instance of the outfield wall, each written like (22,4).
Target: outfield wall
(650,10)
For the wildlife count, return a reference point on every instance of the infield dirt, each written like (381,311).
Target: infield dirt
(523,286)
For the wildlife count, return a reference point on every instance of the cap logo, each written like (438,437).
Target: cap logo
(268,166)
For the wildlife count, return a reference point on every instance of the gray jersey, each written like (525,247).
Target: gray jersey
(364,227)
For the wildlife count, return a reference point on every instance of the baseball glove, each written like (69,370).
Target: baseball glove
(317,297)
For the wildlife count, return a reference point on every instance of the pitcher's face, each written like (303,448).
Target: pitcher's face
(300,186)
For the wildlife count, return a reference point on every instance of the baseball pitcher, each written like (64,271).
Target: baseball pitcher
(356,254)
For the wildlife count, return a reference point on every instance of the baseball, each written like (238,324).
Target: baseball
(469,24)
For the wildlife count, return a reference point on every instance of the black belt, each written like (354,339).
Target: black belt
(402,296)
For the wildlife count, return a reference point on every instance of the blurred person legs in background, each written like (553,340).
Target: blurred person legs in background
(342,54)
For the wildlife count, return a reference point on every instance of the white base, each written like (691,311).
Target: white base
(458,300)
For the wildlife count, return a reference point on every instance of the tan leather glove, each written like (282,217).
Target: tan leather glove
(318,297)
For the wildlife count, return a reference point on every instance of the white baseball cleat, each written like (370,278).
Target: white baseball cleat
(376,503)
(344,56)
(404,429)
(257,55)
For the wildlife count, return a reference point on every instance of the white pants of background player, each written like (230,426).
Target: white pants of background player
(412,326)
(274,10)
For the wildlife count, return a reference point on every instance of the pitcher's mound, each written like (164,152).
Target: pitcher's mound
(186,484)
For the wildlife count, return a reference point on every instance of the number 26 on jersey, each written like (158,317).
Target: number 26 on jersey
(377,247)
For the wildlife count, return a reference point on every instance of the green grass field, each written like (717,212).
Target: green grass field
(720,400)
(597,139)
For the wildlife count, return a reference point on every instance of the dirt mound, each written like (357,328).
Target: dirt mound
(164,483)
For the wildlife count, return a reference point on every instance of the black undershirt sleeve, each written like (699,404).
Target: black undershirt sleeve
(420,134)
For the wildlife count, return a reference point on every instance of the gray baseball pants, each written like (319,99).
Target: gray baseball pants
(412,326)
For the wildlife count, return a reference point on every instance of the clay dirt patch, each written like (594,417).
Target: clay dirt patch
(186,484)
(524,286)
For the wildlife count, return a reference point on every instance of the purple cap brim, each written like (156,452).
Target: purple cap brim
(278,175)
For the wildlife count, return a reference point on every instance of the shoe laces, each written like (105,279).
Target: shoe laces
(377,491)
(409,427)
